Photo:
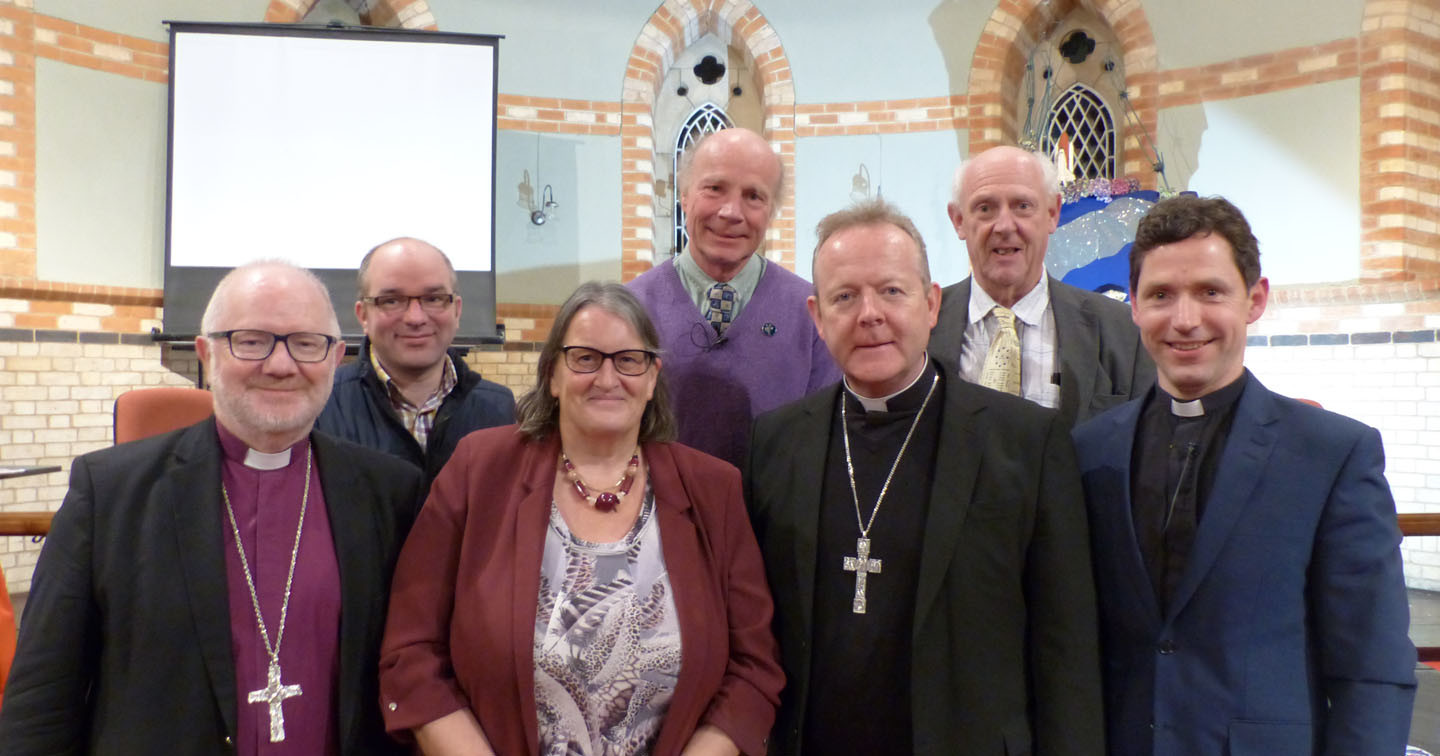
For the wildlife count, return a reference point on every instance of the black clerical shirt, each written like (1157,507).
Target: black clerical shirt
(1177,450)
(860,670)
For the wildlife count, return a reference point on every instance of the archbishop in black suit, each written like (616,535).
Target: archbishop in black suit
(129,644)
(978,632)
(1006,204)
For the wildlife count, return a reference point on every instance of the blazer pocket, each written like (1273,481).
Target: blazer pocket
(1252,738)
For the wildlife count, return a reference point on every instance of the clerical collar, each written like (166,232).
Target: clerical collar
(238,451)
(900,399)
(1215,401)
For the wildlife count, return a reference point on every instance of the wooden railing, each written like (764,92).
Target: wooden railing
(1422,525)
(25,523)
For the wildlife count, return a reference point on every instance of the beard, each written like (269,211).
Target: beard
(247,411)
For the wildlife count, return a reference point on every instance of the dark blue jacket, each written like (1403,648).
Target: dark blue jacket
(360,411)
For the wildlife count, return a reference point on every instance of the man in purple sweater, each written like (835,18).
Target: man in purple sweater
(737,338)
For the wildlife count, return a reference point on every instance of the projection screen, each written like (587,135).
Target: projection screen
(314,144)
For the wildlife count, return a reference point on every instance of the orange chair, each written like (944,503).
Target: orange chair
(148,412)
(7,635)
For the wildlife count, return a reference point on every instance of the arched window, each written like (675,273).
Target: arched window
(1081,113)
(706,119)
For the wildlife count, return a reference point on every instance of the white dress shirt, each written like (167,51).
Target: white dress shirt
(1034,323)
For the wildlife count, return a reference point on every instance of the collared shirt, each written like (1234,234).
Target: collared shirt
(882,403)
(1034,323)
(266,493)
(419,420)
(697,284)
(1172,472)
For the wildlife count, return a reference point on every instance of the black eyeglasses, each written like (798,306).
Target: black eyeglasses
(400,302)
(626,361)
(247,344)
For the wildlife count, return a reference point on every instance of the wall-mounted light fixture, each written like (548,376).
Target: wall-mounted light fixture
(548,207)
(860,185)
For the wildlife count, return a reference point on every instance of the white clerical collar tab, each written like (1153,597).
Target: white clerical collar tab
(882,404)
(259,460)
(1195,408)
(872,405)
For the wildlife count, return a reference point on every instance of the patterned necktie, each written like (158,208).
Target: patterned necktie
(1002,362)
(722,306)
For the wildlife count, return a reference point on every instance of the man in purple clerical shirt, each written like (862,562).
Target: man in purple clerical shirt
(221,588)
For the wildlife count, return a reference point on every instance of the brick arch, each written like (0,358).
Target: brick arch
(1398,49)
(665,35)
(1014,29)
(404,14)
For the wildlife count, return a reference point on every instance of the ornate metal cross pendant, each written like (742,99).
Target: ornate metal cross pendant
(273,694)
(861,564)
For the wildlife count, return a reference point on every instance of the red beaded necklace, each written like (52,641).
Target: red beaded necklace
(604,500)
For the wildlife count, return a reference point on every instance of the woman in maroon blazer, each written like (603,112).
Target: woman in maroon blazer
(575,584)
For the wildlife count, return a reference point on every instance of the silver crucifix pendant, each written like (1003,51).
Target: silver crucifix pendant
(861,564)
(273,694)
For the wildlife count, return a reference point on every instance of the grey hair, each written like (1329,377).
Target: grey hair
(218,307)
(871,212)
(1050,176)
(538,412)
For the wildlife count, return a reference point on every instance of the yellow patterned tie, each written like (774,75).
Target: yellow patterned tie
(1002,363)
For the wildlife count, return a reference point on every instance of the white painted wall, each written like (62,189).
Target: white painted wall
(910,170)
(543,264)
(1200,33)
(99,177)
(1290,161)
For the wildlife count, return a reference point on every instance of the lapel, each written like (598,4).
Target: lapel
(804,471)
(681,536)
(353,530)
(947,338)
(531,519)
(1077,341)
(957,468)
(1242,465)
(190,486)
(1111,523)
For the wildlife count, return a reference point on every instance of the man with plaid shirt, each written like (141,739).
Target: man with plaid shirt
(408,394)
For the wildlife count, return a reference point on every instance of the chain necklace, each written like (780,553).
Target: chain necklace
(861,564)
(274,692)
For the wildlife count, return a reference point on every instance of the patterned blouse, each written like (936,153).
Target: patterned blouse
(607,641)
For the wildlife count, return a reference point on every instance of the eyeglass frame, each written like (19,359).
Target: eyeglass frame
(447,297)
(650,357)
(275,338)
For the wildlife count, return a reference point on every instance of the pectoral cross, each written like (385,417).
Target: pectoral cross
(860,564)
(273,694)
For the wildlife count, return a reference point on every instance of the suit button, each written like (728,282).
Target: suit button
(1167,647)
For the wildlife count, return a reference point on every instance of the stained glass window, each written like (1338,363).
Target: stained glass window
(1081,113)
(706,119)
